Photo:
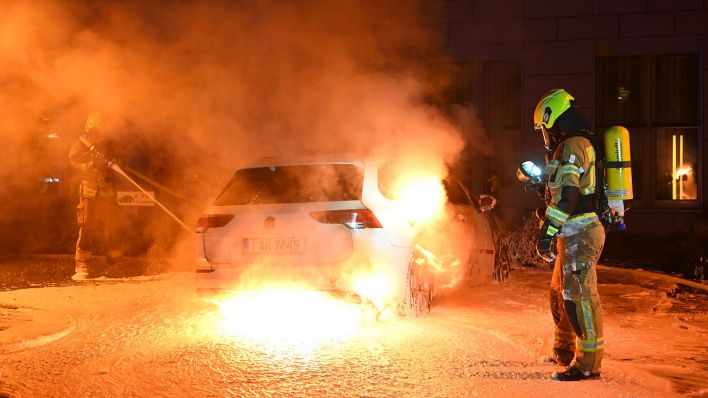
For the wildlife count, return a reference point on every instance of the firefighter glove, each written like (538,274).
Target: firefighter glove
(545,245)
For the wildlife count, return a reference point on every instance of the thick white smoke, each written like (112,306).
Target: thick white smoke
(203,87)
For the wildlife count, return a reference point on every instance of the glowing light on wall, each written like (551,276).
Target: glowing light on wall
(679,171)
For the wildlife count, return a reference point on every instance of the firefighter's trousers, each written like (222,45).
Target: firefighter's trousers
(95,230)
(575,302)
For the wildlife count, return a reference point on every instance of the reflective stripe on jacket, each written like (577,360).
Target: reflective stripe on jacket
(573,165)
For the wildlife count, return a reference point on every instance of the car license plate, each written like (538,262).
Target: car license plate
(274,245)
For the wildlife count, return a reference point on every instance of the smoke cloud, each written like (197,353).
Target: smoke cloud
(198,89)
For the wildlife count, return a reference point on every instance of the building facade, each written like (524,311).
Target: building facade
(641,64)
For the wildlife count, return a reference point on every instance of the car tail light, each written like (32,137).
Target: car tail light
(354,218)
(213,221)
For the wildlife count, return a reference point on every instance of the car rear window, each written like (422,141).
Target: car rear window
(293,184)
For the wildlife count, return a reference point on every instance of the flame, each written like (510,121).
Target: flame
(446,268)
(297,315)
(686,189)
(378,288)
(421,198)
(683,171)
(289,315)
(438,264)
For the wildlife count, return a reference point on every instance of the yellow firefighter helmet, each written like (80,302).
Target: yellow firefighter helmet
(93,121)
(550,107)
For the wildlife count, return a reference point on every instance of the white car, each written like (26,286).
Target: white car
(332,223)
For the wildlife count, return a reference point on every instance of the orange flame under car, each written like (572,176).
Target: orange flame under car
(288,315)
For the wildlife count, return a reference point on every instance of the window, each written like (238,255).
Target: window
(387,177)
(677,155)
(621,91)
(637,154)
(453,84)
(658,99)
(293,184)
(492,89)
(677,90)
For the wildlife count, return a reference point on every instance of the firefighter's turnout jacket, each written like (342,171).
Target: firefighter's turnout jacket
(96,200)
(571,181)
(94,175)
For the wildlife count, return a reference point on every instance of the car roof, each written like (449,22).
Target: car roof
(310,159)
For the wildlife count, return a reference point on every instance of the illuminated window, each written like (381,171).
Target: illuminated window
(677,153)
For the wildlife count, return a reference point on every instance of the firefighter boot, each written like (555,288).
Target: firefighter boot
(81,271)
(555,360)
(574,374)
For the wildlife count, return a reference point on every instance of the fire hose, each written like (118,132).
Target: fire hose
(111,163)
(167,190)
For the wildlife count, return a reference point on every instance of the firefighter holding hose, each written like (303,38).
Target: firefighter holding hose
(571,219)
(97,197)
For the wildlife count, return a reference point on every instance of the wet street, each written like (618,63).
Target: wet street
(153,337)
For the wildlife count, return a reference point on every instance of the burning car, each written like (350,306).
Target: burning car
(366,227)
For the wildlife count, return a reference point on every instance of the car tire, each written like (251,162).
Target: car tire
(420,290)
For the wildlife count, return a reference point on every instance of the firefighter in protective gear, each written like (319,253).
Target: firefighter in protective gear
(96,199)
(572,221)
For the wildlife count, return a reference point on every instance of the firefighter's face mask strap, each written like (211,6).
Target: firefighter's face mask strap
(546,137)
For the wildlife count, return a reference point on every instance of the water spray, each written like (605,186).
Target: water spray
(111,163)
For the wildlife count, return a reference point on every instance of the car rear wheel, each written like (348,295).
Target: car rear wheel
(420,288)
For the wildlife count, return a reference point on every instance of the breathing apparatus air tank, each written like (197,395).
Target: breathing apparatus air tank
(618,171)
(618,164)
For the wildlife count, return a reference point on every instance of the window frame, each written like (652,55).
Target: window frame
(649,129)
(468,79)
